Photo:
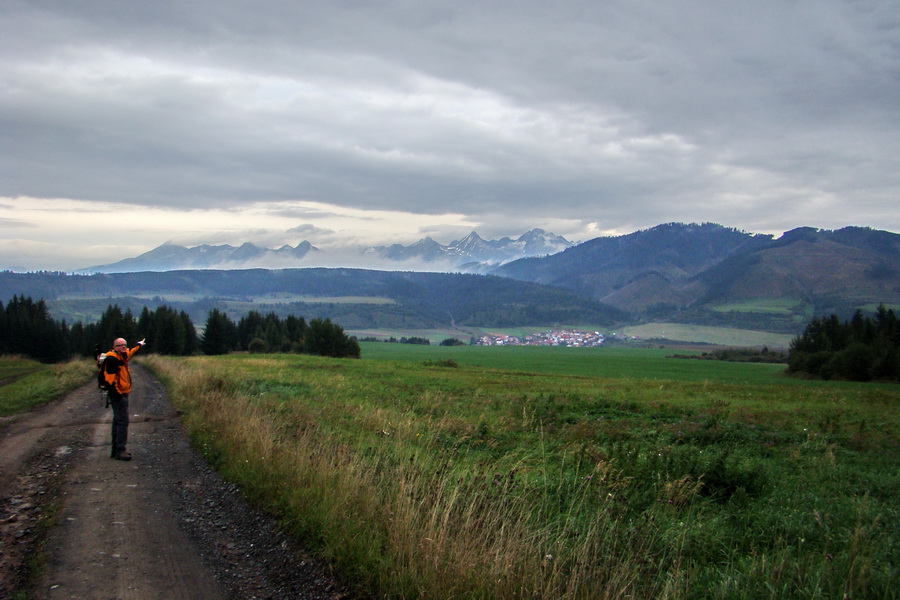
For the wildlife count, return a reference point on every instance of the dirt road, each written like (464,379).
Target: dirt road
(163,526)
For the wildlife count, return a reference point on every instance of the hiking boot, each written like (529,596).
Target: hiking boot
(122,456)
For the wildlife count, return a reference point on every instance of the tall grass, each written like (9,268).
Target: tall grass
(427,482)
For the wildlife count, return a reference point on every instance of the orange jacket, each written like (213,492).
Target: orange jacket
(115,369)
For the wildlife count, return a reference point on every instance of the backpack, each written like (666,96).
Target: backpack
(103,383)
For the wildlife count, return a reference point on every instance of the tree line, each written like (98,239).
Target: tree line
(859,349)
(27,328)
(256,333)
(403,340)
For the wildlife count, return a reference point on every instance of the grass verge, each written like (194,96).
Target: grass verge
(25,383)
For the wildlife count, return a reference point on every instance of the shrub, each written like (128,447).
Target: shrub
(257,346)
(852,363)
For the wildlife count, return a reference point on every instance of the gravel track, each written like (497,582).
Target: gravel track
(163,526)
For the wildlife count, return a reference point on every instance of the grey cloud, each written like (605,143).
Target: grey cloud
(307,229)
(14,223)
(624,114)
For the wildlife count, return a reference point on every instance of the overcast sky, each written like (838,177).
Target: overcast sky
(125,125)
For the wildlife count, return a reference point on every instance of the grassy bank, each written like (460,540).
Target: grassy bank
(421,479)
(25,383)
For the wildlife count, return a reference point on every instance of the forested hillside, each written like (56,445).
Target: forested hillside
(353,297)
(713,275)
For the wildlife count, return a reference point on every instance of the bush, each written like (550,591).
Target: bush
(328,339)
(257,346)
(813,363)
(852,363)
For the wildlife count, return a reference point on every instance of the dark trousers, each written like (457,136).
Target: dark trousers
(119,403)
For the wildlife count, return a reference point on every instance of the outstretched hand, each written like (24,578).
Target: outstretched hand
(142,342)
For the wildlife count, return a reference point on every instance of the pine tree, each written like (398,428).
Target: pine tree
(219,335)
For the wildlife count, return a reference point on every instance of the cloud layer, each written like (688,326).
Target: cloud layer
(392,119)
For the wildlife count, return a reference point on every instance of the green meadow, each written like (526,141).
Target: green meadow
(468,472)
(612,361)
(25,382)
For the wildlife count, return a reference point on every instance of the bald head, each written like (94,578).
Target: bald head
(120,344)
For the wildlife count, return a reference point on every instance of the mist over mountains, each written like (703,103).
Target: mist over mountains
(668,270)
(471,254)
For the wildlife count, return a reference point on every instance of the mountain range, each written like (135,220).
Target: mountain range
(471,254)
(707,273)
(703,274)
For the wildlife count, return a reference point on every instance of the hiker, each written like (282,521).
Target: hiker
(118,377)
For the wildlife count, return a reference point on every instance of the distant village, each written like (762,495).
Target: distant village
(565,337)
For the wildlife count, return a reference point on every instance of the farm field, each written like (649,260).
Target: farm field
(676,332)
(779,306)
(435,335)
(450,472)
(612,361)
(723,336)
